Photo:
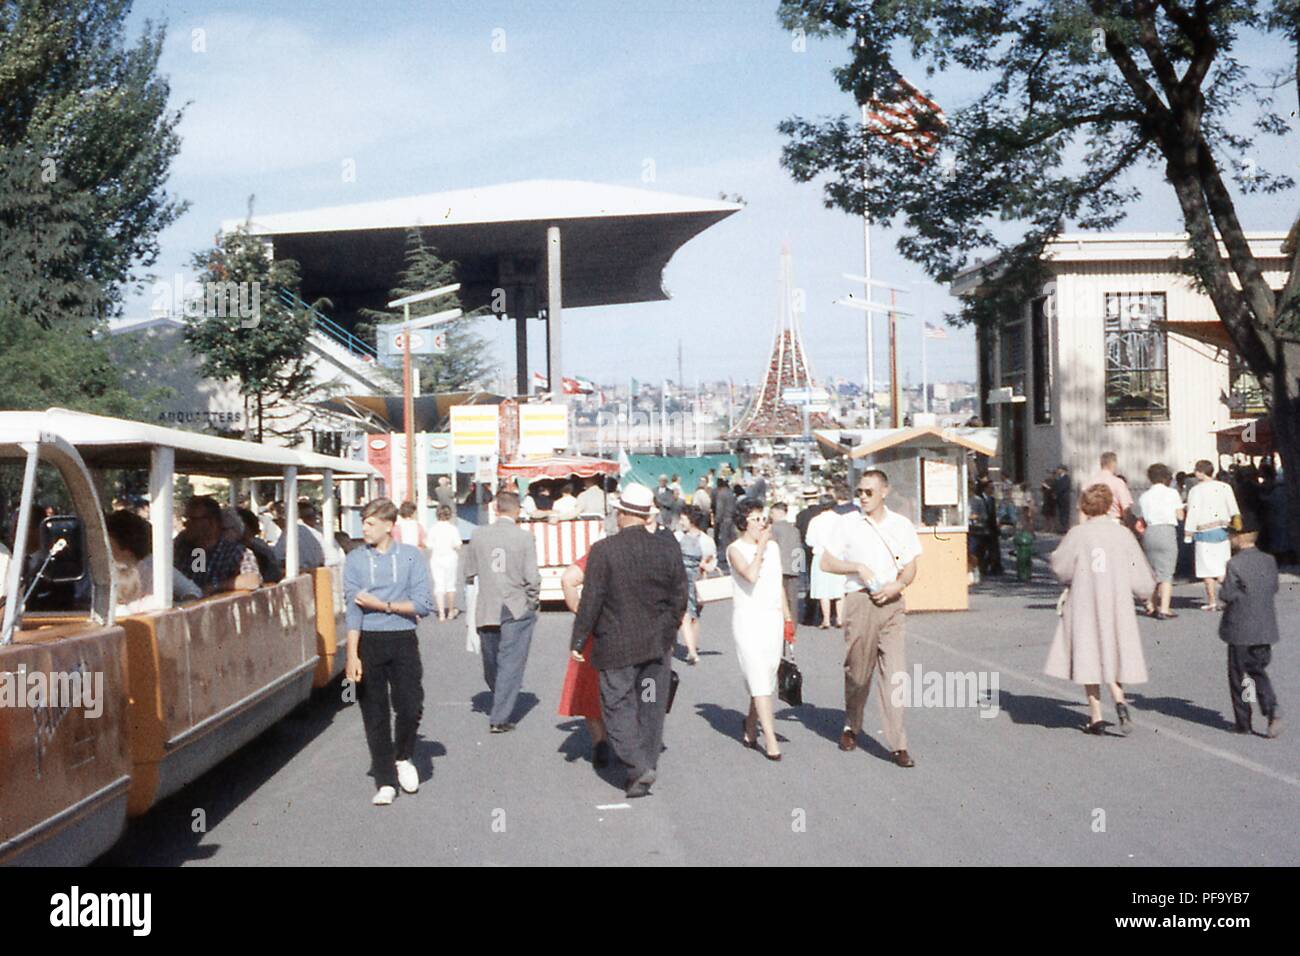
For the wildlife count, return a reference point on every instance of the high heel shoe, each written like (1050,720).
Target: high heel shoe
(745,739)
(1125,721)
(1097,727)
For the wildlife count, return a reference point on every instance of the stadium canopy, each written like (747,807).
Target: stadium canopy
(612,244)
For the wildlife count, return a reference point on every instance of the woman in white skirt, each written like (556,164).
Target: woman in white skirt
(758,615)
(822,585)
(444,555)
(1211,506)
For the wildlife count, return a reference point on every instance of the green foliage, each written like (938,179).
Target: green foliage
(1061,114)
(69,367)
(466,361)
(86,142)
(243,330)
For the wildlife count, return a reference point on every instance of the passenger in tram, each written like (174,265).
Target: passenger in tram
(232,529)
(202,551)
(131,540)
(311,547)
(267,565)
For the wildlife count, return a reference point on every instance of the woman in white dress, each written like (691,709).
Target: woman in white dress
(822,585)
(1211,506)
(444,554)
(758,617)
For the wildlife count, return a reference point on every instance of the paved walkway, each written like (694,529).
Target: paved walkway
(1024,787)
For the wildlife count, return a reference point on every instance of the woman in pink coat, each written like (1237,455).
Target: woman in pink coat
(1097,639)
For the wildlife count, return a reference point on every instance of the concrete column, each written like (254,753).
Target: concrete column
(554,319)
(327,516)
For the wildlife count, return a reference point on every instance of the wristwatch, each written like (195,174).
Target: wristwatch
(388,606)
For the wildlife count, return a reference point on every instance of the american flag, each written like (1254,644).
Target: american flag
(897,118)
(935,331)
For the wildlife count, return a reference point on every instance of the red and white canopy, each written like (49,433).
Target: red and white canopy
(559,466)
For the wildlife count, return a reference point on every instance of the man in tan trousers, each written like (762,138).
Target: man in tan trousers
(876,549)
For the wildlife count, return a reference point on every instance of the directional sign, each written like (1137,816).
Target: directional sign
(392,341)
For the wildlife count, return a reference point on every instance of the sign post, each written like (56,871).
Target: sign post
(408,396)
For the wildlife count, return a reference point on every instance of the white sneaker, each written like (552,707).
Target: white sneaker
(384,797)
(407,776)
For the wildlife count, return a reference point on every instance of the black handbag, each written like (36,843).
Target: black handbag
(673,681)
(789,682)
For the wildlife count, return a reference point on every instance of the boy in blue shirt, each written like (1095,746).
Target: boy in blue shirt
(386,588)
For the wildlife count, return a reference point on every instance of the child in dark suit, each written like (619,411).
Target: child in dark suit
(1249,628)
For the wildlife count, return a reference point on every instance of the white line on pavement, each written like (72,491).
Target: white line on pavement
(1192,742)
(613,806)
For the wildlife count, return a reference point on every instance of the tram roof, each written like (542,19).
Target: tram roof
(117,443)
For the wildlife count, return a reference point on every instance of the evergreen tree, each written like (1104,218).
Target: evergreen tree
(467,361)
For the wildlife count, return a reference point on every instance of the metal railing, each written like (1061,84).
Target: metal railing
(331,329)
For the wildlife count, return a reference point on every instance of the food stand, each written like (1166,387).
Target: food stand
(560,542)
(927,469)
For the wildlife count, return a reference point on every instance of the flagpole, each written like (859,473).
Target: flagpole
(866,264)
(663,413)
(696,411)
(925,387)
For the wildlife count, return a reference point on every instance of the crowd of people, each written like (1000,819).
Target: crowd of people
(1124,549)
(635,596)
(845,561)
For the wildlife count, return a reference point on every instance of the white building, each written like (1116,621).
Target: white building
(1120,353)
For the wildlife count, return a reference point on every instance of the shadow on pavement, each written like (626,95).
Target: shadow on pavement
(1180,708)
(828,722)
(165,836)
(1050,712)
(481,703)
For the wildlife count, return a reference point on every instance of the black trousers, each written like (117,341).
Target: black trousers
(390,670)
(634,701)
(1250,661)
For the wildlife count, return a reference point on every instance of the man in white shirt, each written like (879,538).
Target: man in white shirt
(876,550)
(592,500)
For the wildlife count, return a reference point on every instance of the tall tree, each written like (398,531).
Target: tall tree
(241,329)
(1074,94)
(85,120)
(467,360)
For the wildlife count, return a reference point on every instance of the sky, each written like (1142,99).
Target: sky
(680,97)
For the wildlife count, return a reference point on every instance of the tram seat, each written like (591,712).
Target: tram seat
(208,677)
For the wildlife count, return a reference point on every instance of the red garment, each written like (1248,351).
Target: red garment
(581,694)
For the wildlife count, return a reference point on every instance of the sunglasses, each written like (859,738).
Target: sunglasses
(866,493)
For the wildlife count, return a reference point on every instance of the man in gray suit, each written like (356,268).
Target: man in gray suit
(503,557)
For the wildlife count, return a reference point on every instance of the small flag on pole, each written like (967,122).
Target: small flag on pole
(907,117)
(935,331)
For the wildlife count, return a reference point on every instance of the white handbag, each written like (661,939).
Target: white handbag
(711,589)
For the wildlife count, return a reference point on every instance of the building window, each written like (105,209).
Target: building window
(1013,357)
(1245,397)
(1137,357)
(1041,332)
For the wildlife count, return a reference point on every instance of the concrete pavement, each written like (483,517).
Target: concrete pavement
(1024,787)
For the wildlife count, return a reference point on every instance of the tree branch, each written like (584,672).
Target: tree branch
(1150,41)
(1243,261)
